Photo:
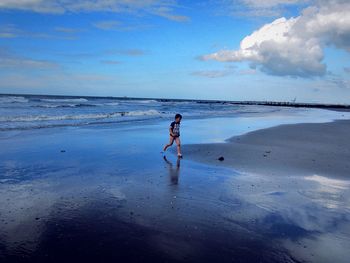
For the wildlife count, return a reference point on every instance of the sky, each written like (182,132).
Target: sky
(274,50)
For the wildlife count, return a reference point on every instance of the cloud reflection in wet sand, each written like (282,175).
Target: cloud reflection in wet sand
(41,216)
(306,214)
(99,200)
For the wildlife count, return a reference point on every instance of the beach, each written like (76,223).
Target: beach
(298,149)
(101,190)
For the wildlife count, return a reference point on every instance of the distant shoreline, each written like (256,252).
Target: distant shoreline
(329,106)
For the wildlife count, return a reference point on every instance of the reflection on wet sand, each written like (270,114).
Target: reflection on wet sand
(174,172)
(216,216)
(101,202)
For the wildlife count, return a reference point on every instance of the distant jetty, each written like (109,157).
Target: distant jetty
(271,103)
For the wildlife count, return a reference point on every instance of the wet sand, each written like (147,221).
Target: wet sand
(297,149)
(107,194)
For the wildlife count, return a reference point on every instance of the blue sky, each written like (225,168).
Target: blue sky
(177,49)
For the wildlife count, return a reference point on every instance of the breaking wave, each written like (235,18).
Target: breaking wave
(64,105)
(12,99)
(31,118)
(64,100)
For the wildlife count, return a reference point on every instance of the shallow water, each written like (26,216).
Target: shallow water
(106,193)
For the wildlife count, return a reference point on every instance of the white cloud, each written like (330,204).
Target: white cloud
(166,12)
(118,25)
(12,31)
(164,8)
(257,8)
(270,3)
(40,6)
(294,47)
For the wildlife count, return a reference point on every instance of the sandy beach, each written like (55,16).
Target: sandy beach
(298,149)
(104,192)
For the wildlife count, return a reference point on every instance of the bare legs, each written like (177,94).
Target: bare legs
(169,144)
(178,144)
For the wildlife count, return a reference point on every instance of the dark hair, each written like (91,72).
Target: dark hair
(178,116)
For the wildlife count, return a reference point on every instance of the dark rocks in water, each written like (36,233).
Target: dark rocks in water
(63,151)
(221,158)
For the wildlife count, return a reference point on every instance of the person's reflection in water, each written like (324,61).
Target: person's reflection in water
(173,172)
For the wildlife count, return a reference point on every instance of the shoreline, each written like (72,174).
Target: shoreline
(288,149)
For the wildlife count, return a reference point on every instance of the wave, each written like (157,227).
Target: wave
(64,105)
(110,104)
(64,100)
(32,118)
(75,105)
(139,101)
(13,99)
(146,101)
(142,113)
(75,124)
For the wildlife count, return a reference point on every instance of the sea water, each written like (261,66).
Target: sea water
(19,112)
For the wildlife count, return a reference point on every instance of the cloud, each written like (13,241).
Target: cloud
(126,52)
(256,8)
(247,72)
(68,30)
(12,31)
(163,8)
(9,31)
(39,6)
(294,46)
(107,25)
(166,12)
(229,70)
(118,25)
(105,54)
(9,60)
(340,82)
(212,73)
(270,3)
(347,69)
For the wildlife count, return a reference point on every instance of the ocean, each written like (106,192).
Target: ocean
(31,112)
